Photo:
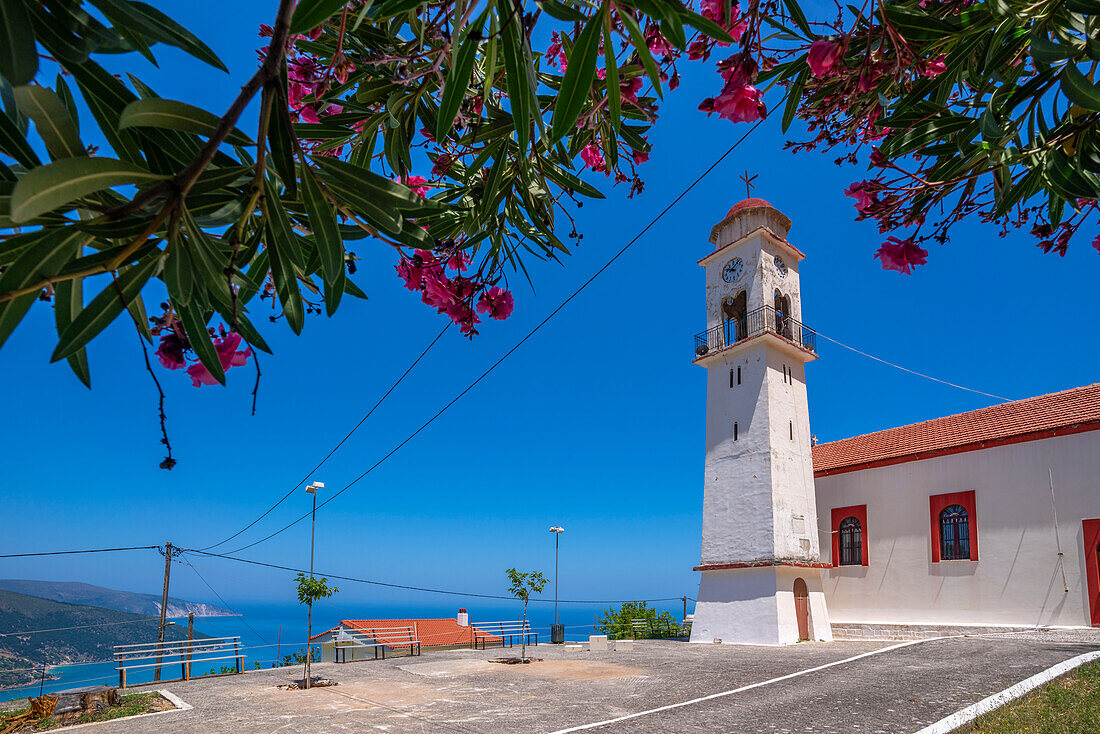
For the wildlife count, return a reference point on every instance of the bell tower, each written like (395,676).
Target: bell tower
(761,577)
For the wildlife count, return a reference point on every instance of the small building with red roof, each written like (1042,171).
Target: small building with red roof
(362,639)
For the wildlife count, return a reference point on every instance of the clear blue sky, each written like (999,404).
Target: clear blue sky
(595,424)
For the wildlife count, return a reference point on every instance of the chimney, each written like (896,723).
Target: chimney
(463,618)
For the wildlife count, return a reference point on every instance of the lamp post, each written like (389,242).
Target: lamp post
(557,632)
(312,489)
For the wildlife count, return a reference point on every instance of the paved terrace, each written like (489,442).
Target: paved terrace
(896,690)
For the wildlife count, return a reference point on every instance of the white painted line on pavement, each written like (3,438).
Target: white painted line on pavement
(749,687)
(968,714)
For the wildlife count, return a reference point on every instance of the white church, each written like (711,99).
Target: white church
(985,520)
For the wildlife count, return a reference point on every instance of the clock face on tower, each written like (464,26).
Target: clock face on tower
(780,267)
(733,269)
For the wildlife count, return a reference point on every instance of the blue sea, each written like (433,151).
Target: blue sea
(269,632)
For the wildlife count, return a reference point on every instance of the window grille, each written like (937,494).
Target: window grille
(954,534)
(851,542)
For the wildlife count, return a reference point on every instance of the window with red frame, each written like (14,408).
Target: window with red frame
(954,527)
(850,544)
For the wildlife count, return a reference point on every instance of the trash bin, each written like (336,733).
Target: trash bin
(557,633)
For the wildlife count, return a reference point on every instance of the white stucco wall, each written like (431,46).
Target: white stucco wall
(756,606)
(1016,579)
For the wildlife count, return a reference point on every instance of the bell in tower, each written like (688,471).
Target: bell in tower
(761,565)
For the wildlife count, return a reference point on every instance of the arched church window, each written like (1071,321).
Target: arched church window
(954,534)
(851,542)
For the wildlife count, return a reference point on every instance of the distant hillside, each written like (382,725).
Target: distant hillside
(75,592)
(22,654)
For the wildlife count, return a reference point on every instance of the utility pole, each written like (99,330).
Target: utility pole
(190,636)
(312,489)
(163,605)
(685,599)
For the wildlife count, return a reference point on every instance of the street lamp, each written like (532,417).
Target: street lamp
(311,489)
(557,632)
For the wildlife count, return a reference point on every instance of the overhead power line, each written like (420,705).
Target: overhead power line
(414,588)
(913,372)
(225,603)
(518,344)
(72,552)
(337,446)
(78,627)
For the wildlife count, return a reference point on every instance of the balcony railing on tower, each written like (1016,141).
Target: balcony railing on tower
(755,323)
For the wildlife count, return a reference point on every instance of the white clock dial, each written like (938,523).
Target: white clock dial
(733,270)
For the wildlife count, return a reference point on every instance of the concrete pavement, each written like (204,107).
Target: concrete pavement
(896,690)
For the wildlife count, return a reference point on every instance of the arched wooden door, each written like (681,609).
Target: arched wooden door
(802,608)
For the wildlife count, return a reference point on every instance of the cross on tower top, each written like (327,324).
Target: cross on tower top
(748,183)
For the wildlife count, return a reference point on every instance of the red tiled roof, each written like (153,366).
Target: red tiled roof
(428,632)
(1069,411)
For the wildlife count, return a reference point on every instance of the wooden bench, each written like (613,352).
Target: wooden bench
(484,631)
(184,653)
(376,640)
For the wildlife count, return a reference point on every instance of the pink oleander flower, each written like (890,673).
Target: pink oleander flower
(459,261)
(418,184)
(901,255)
(496,302)
(170,352)
(438,291)
(934,67)
(228,355)
(309,114)
(740,104)
(658,45)
(593,158)
(1096,243)
(315,33)
(698,49)
(823,56)
(411,273)
(629,88)
(304,69)
(858,192)
(878,159)
(640,156)
(296,93)
(601,73)
(715,10)
(736,30)
(554,49)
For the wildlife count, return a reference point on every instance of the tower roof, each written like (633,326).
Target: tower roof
(748,204)
(773,219)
